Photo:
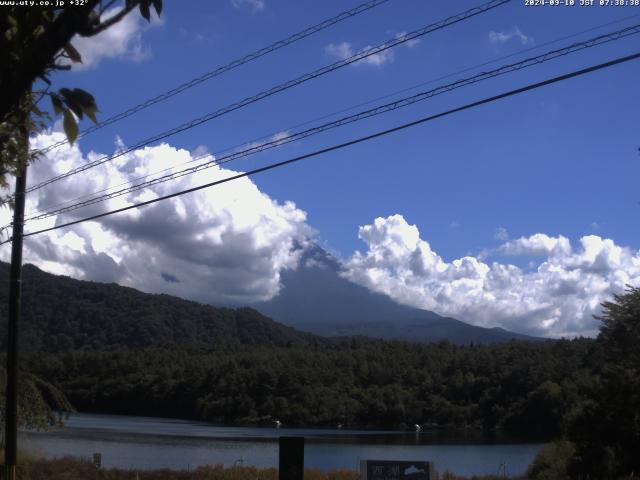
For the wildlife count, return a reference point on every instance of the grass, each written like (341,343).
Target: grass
(68,468)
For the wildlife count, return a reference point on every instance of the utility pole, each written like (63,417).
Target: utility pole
(15,293)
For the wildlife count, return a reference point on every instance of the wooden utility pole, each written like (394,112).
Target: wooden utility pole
(15,293)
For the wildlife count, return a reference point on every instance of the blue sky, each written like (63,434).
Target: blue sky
(561,161)
(540,162)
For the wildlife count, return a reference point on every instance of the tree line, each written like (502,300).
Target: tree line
(519,386)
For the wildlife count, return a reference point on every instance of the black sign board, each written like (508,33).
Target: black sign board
(396,470)
(291,464)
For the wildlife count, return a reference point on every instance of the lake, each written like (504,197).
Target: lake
(147,443)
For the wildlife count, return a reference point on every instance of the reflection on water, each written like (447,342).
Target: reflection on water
(143,443)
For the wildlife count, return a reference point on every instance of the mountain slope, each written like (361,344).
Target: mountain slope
(60,313)
(316,298)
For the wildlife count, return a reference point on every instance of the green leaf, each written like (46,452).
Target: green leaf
(91,113)
(86,102)
(144,10)
(39,30)
(82,97)
(80,101)
(70,126)
(72,103)
(10,33)
(58,107)
(157,4)
(74,54)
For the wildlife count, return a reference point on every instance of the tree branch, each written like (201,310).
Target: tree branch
(42,94)
(106,7)
(111,21)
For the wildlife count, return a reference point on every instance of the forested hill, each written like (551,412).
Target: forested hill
(61,314)
(526,387)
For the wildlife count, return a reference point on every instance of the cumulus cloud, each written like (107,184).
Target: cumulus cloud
(501,234)
(538,244)
(223,245)
(122,40)
(344,50)
(254,5)
(499,38)
(229,245)
(558,298)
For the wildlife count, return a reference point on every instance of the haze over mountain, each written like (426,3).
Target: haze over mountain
(316,298)
(61,313)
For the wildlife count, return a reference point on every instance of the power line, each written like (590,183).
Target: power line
(285,86)
(368,102)
(226,68)
(315,153)
(400,103)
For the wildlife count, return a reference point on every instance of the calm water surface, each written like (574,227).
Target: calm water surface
(144,443)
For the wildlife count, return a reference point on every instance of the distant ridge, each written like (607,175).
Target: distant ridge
(316,298)
(60,313)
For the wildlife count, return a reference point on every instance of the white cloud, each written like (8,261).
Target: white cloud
(255,5)
(538,244)
(222,245)
(501,234)
(122,40)
(409,43)
(377,59)
(499,38)
(277,139)
(228,245)
(341,51)
(558,298)
(344,50)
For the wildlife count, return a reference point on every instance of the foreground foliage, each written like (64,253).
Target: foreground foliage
(69,468)
(605,426)
(35,42)
(552,461)
(40,404)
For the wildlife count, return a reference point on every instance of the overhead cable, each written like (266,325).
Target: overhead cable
(263,138)
(400,103)
(356,141)
(284,86)
(226,68)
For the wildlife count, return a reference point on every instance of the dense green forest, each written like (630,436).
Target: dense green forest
(518,385)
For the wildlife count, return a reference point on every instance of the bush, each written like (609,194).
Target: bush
(552,461)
